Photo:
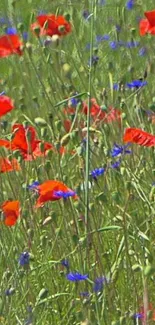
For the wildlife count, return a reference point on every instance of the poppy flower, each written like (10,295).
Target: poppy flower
(24,140)
(52,190)
(10,44)
(11,211)
(51,25)
(147,26)
(98,115)
(8,166)
(139,136)
(6,105)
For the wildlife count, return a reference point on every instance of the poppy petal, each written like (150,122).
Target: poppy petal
(150,15)
(139,136)
(6,105)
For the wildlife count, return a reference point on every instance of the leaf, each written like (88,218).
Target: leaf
(109,228)
(141,234)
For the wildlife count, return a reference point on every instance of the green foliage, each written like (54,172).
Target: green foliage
(110,230)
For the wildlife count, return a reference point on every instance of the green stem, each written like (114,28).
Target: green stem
(88,133)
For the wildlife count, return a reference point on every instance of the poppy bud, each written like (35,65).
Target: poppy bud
(29,48)
(47,221)
(20,26)
(36,30)
(66,67)
(43,293)
(136,267)
(47,166)
(40,121)
(58,125)
(67,17)
(65,139)
(149,270)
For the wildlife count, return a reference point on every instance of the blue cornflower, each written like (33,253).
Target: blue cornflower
(118,28)
(11,31)
(84,294)
(93,61)
(73,101)
(2,93)
(130,4)
(136,84)
(101,2)
(65,263)
(142,51)
(99,283)
(75,277)
(119,150)
(33,186)
(116,164)
(137,316)
(116,86)
(97,172)
(64,195)
(100,38)
(86,14)
(9,291)
(25,36)
(24,259)
(132,44)
(113,45)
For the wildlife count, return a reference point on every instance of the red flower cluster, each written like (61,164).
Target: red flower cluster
(96,113)
(10,44)
(11,211)
(24,140)
(48,25)
(51,25)
(139,136)
(147,26)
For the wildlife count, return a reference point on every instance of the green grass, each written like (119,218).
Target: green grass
(110,230)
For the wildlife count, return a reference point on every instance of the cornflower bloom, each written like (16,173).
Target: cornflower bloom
(24,259)
(136,84)
(76,276)
(99,283)
(119,150)
(97,172)
(130,4)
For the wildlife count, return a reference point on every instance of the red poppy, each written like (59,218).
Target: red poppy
(24,140)
(48,192)
(51,25)
(98,115)
(6,105)
(10,44)
(11,211)
(147,26)
(8,166)
(139,136)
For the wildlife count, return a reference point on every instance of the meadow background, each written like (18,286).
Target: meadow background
(109,232)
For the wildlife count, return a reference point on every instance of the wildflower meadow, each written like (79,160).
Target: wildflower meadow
(77,162)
